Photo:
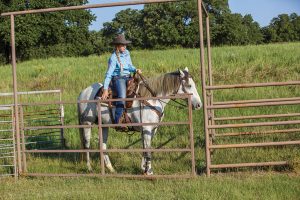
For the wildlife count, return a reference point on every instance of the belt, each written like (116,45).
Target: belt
(119,77)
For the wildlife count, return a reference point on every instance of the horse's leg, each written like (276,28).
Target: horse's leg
(85,136)
(146,160)
(106,158)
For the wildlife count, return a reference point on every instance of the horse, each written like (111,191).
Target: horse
(178,82)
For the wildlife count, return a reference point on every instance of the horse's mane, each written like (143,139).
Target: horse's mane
(163,84)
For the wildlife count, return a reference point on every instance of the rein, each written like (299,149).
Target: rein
(147,85)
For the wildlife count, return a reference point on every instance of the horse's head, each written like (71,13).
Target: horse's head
(188,86)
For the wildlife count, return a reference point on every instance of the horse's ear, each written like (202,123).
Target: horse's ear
(181,74)
(186,69)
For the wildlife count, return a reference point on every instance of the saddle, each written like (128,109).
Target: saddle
(132,86)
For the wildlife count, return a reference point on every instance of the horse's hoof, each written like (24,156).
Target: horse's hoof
(90,169)
(148,172)
(110,168)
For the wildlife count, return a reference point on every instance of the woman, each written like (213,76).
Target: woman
(118,72)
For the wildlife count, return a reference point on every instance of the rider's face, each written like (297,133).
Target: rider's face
(121,47)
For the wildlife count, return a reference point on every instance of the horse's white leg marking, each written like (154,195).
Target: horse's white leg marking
(87,144)
(146,160)
(106,158)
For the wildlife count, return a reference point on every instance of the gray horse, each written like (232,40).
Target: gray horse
(178,82)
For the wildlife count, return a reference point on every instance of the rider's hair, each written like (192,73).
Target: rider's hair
(118,57)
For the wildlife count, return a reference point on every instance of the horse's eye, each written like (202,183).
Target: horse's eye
(188,85)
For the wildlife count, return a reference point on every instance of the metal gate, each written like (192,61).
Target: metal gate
(213,124)
(7,143)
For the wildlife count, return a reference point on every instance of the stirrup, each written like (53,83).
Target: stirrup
(122,128)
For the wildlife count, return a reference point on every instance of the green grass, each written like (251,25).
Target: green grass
(231,65)
(237,186)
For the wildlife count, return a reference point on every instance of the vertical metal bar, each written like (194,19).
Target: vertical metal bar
(62,117)
(23,140)
(210,80)
(203,77)
(100,138)
(14,142)
(191,136)
(14,69)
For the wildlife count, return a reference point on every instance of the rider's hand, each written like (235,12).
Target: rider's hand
(138,71)
(105,94)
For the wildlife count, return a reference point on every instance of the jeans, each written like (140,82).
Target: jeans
(119,86)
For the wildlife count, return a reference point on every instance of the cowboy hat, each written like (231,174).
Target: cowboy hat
(120,39)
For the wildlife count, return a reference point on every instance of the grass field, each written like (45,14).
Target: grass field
(231,65)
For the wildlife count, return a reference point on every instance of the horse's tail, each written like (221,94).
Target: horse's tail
(81,132)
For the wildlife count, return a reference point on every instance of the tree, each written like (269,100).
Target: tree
(284,28)
(176,24)
(47,34)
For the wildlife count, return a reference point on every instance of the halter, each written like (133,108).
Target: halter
(186,78)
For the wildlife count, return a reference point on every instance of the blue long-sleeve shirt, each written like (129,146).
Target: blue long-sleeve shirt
(114,67)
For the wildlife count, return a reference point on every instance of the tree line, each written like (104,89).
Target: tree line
(156,26)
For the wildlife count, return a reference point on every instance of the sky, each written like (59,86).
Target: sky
(262,11)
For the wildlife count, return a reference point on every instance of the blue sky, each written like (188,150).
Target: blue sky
(262,11)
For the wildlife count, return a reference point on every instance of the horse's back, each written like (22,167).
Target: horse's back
(89,93)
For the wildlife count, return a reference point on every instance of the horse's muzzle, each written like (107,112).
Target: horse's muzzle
(197,106)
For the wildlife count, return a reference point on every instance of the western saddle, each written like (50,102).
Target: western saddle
(132,86)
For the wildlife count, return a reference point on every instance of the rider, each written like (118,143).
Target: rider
(118,72)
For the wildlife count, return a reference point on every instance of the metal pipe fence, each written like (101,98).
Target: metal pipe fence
(212,123)
(101,150)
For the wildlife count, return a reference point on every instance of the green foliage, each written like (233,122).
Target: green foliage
(46,34)
(284,28)
(176,24)
(157,26)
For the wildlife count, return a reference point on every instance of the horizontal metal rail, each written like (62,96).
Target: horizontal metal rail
(4,175)
(254,104)
(43,142)
(265,144)
(6,130)
(7,165)
(104,102)
(6,145)
(258,164)
(41,136)
(250,85)
(6,139)
(256,101)
(6,107)
(107,150)
(6,148)
(256,133)
(257,117)
(106,125)
(6,153)
(187,176)
(30,92)
(6,122)
(253,124)
(3,157)
(47,10)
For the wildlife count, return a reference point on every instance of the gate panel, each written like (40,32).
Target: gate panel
(7,143)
